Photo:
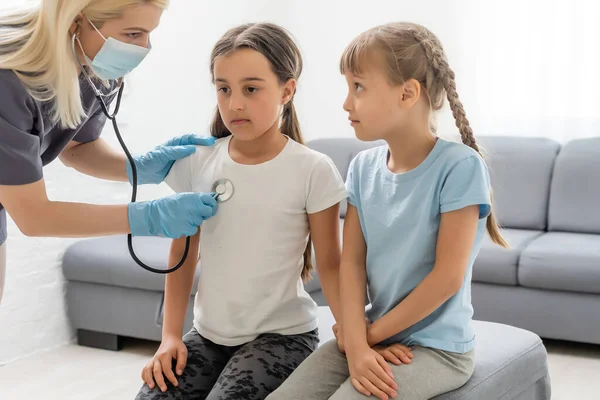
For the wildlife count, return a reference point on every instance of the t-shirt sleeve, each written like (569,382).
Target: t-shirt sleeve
(351,183)
(325,186)
(467,184)
(180,178)
(20,161)
(92,128)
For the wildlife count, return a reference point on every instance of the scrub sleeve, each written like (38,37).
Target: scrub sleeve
(30,139)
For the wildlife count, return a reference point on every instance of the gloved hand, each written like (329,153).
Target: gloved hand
(174,216)
(154,166)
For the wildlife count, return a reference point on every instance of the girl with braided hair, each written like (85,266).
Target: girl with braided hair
(418,209)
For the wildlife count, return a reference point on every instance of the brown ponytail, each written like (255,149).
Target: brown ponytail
(275,43)
(290,126)
(413,52)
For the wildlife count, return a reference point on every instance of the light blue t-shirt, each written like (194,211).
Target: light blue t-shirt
(400,216)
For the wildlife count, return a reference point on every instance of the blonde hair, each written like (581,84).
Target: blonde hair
(276,44)
(411,51)
(35,43)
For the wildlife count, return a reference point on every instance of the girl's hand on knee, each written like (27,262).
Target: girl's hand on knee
(370,374)
(339,337)
(160,366)
(396,353)
(337,329)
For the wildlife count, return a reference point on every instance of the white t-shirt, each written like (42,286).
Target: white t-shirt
(251,251)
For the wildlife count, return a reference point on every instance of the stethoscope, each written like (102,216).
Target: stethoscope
(222,189)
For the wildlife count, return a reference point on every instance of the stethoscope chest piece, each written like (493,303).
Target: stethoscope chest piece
(223,189)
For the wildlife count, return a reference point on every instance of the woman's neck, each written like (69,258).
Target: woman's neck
(409,149)
(259,150)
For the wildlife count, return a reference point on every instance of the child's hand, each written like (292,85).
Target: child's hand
(336,329)
(396,353)
(339,337)
(370,374)
(171,348)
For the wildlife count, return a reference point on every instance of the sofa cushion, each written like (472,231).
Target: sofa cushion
(520,173)
(562,261)
(106,260)
(495,264)
(509,362)
(575,191)
(341,151)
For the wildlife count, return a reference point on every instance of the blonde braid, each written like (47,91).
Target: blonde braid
(438,61)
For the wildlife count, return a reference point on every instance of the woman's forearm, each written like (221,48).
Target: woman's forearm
(178,285)
(97,159)
(74,220)
(35,215)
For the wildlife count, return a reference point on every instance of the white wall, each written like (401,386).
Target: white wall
(525,68)
(190,95)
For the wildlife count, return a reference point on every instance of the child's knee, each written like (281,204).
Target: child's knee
(280,394)
(347,392)
(146,393)
(331,348)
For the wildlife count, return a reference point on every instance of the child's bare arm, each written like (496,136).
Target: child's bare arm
(353,281)
(178,285)
(325,233)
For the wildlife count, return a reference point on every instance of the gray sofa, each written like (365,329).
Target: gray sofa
(547,199)
(547,284)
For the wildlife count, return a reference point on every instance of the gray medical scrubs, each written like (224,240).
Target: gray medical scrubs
(29,139)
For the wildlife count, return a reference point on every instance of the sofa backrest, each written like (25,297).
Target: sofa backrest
(575,190)
(341,151)
(520,173)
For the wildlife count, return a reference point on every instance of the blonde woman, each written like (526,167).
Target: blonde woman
(53,57)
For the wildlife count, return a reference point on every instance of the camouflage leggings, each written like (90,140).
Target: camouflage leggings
(250,371)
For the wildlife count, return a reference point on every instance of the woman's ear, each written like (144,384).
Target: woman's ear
(289,89)
(76,24)
(74,27)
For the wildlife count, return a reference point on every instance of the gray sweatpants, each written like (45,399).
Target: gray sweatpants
(250,371)
(324,375)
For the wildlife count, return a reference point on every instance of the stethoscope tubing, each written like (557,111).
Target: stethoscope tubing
(112,117)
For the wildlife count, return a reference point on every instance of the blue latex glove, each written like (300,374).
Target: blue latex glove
(173,216)
(154,166)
